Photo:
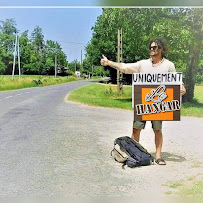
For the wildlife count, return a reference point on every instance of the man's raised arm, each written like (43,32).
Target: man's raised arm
(128,68)
(105,62)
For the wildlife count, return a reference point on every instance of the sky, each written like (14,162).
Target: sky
(71,27)
(49,2)
(102,2)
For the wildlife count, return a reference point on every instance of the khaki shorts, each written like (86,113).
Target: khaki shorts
(156,125)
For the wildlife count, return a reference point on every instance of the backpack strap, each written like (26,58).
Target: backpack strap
(124,164)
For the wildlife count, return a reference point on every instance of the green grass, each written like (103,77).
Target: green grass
(107,96)
(194,108)
(192,187)
(102,95)
(6,83)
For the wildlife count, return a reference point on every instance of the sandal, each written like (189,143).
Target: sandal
(160,162)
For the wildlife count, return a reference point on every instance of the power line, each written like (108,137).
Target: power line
(72,42)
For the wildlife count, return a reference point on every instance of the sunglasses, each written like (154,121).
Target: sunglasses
(153,47)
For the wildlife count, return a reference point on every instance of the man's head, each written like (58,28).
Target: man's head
(157,47)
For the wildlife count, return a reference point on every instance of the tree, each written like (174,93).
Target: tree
(74,66)
(135,35)
(35,53)
(8,26)
(37,39)
(87,66)
(25,53)
(189,39)
(194,51)
(2,67)
(7,36)
(180,27)
(52,50)
(100,71)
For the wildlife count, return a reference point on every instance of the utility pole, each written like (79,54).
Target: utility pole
(81,62)
(75,65)
(14,58)
(119,60)
(19,59)
(16,50)
(55,65)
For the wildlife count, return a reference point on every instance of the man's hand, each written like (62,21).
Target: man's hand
(183,90)
(104,61)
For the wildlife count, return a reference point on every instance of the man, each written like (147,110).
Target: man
(157,63)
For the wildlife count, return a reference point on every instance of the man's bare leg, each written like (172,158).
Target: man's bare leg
(136,134)
(158,143)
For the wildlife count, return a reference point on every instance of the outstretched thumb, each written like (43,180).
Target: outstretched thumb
(104,57)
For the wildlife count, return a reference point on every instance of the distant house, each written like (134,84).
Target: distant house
(61,69)
(77,73)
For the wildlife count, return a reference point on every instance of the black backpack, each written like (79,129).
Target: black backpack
(131,153)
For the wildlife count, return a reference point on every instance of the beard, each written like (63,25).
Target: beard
(153,53)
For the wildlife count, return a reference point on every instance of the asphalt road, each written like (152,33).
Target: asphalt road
(53,148)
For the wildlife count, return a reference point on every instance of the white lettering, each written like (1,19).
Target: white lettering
(153,108)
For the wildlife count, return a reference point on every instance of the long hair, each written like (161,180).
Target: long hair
(161,45)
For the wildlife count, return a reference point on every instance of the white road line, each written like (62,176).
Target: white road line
(55,88)
(8,97)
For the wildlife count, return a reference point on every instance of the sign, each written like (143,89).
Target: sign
(156,96)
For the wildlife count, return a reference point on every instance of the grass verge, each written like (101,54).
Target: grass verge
(192,187)
(107,96)
(102,95)
(6,83)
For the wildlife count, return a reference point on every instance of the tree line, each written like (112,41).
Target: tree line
(37,56)
(181,28)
